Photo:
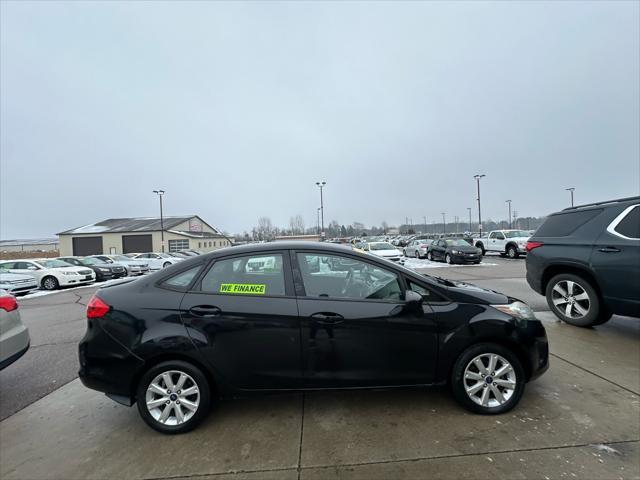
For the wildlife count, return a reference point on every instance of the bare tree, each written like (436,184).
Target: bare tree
(265,228)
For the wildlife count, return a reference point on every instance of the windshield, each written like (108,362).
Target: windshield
(517,233)
(381,246)
(53,263)
(457,243)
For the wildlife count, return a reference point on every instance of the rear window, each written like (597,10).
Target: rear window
(629,226)
(564,224)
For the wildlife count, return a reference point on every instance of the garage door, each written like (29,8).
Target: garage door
(87,246)
(137,243)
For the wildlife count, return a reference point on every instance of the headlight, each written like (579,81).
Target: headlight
(455,252)
(517,309)
(70,273)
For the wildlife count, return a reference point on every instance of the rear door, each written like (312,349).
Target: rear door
(243,316)
(355,329)
(616,260)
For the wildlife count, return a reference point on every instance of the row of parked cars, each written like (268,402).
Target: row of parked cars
(22,276)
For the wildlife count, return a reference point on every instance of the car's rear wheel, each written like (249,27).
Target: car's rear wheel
(50,283)
(173,397)
(417,254)
(488,378)
(574,300)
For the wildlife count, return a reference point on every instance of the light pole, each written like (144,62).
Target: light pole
(469,208)
(321,186)
(160,193)
(444,223)
(478,177)
(509,217)
(318,221)
(571,189)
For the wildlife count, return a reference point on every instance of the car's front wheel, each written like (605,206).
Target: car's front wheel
(430,256)
(488,378)
(50,283)
(166,264)
(173,397)
(574,300)
(447,259)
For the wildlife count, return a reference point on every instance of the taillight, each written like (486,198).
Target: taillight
(97,308)
(8,303)
(531,245)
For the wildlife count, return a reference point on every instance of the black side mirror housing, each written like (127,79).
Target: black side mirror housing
(413,301)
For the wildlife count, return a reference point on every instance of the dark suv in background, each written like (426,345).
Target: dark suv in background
(586,261)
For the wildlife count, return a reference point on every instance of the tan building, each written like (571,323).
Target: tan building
(132,235)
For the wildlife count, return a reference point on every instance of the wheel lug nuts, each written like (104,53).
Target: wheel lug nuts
(167,402)
(178,392)
(178,402)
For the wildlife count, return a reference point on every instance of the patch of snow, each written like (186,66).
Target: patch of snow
(606,448)
(90,229)
(414,263)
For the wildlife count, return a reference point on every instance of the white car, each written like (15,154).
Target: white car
(50,274)
(14,335)
(157,261)
(133,267)
(384,250)
(17,284)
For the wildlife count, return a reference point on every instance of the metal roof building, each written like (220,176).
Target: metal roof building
(144,234)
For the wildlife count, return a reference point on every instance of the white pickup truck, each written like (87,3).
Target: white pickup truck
(511,243)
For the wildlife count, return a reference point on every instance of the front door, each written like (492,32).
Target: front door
(243,317)
(355,328)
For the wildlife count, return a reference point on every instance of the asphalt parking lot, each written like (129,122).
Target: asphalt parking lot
(579,420)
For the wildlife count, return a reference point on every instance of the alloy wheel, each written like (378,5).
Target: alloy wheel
(430,256)
(448,259)
(570,299)
(50,283)
(172,398)
(511,252)
(417,254)
(489,380)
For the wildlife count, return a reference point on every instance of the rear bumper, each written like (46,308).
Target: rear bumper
(105,364)
(9,360)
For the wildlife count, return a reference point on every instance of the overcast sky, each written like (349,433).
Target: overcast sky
(237,109)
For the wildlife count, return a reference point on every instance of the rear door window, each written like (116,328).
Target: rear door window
(248,275)
(629,225)
(564,224)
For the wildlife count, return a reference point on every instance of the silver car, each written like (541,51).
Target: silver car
(17,283)
(417,248)
(14,335)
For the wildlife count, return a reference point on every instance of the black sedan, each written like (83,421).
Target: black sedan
(104,271)
(454,250)
(310,316)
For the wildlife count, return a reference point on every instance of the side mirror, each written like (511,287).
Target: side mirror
(413,300)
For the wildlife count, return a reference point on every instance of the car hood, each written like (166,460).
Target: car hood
(467,292)
(464,248)
(386,253)
(69,269)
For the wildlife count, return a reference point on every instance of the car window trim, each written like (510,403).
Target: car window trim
(300,287)
(160,283)
(612,226)
(196,287)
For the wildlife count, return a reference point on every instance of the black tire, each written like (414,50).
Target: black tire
(417,254)
(458,382)
(430,256)
(203,387)
(447,258)
(126,272)
(480,245)
(595,314)
(50,283)
(512,251)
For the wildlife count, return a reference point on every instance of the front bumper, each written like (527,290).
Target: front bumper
(68,280)
(464,258)
(20,289)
